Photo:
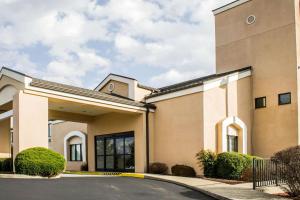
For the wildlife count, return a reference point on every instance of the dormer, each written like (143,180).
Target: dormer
(126,87)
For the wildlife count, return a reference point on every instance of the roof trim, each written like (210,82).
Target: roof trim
(229,6)
(18,76)
(204,84)
(147,88)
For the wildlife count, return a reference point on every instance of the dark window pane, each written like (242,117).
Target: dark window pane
(284,98)
(120,162)
(260,102)
(100,162)
(109,146)
(109,162)
(100,147)
(232,143)
(120,145)
(129,145)
(129,162)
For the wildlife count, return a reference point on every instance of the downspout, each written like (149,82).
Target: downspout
(148,106)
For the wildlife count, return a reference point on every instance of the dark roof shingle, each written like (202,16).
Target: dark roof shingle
(191,83)
(82,92)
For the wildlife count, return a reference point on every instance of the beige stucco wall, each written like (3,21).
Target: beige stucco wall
(230,100)
(116,123)
(178,130)
(269,46)
(140,93)
(59,131)
(120,88)
(185,125)
(5,138)
(30,122)
(297,21)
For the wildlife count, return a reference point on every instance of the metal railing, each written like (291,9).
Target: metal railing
(267,172)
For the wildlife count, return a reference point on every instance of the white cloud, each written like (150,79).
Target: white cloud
(175,36)
(20,61)
(174,76)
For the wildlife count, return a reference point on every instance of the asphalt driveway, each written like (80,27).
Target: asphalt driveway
(106,188)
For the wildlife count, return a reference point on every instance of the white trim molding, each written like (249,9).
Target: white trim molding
(229,6)
(6,115)
(207,85)
(243,130)
(83,139)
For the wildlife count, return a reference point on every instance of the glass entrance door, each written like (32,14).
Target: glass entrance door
(115,152)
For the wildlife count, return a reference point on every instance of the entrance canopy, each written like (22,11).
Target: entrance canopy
(32,102)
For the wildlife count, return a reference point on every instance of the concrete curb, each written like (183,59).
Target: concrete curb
(216,196)
(21,176)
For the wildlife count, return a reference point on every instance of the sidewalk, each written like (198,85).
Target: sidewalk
(217,189)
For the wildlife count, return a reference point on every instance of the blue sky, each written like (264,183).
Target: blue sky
(79,42)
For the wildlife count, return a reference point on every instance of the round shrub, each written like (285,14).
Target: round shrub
(230,165)
(158,168)
(289,162)
(183,170)
(39,161)
(6,165)
(207,160)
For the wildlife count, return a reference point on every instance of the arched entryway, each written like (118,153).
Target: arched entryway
(233,135)
(75,142)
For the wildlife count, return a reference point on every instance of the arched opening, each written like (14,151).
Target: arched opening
(233,135)
(75,147)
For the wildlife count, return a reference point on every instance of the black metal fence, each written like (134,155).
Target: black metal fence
(267,173)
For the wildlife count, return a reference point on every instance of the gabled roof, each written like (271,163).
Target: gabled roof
(82,92)
(192,83)
(68,89)
(125,79)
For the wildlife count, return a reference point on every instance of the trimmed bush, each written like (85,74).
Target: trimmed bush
(206,160)
(183,170)
(84,167)
(39,161)
(231,165)
(6,165)
(158,168)
(290,159)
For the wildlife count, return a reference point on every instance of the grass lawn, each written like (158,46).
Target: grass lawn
(91,173)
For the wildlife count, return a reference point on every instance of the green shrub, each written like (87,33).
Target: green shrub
(6,165)
(207,160)
(158,168)
(183,170)
(39,161)
(84,167)
(290,160)
(231,165)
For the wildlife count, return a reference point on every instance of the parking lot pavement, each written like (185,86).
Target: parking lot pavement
(106,188)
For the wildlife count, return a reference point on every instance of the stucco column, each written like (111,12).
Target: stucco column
(30,122)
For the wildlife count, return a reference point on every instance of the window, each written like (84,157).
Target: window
(75,152)
(49,132)
(260,102)
(232,143)
(284,98)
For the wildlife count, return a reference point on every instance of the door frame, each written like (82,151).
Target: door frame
(113,136)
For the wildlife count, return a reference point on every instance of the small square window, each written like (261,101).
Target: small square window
(284,98)
(260,102)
